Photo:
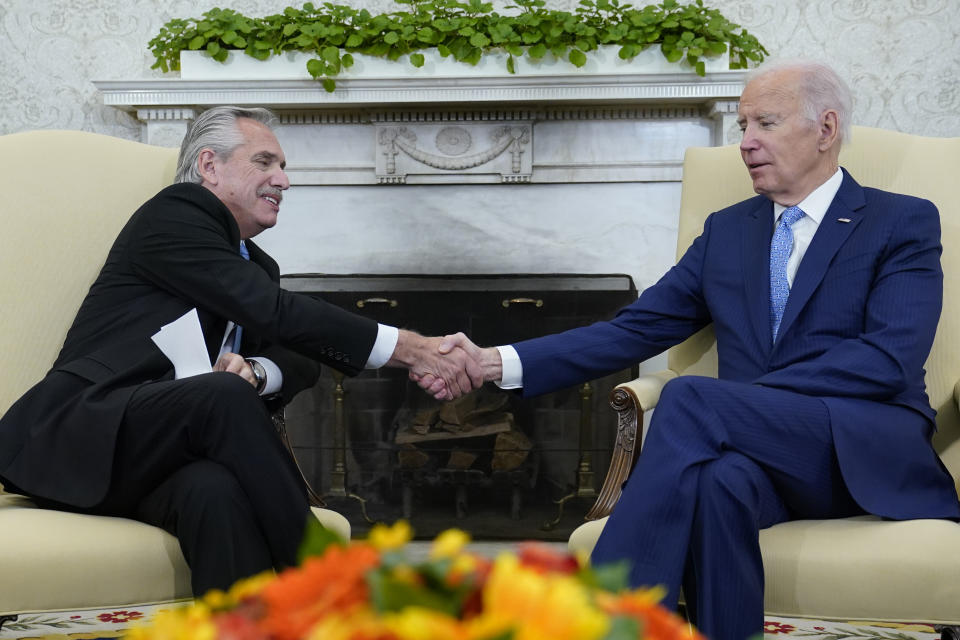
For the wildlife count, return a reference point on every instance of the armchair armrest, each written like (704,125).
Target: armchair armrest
(629,400)
(279,419)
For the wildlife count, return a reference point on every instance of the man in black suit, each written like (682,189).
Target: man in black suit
(111,430)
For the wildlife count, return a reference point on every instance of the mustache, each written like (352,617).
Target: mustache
(271,191)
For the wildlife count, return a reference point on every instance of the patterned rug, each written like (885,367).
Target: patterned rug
(92,624)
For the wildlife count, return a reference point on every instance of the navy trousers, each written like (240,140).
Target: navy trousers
(722,460)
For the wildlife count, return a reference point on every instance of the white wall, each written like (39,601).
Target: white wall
(901,56)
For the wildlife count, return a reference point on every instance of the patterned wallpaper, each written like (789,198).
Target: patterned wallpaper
(900,56)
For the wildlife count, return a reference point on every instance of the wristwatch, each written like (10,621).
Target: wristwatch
(259,374)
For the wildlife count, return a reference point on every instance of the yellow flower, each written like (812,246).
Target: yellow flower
(386,538)
(539,606)
(416,623)
(449,543)
(188,623)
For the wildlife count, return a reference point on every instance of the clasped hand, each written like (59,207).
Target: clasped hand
(454,366)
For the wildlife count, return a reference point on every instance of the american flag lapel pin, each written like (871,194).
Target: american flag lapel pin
(843,219)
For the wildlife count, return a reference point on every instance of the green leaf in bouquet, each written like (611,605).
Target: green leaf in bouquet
(389,593)
(317,537)
(622,628)
(612,577)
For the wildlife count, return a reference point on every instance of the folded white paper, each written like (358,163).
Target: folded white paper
(182,342)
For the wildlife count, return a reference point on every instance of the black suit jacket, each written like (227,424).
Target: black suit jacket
(177,252)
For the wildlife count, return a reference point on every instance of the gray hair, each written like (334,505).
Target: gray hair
(821,89)
(215,129)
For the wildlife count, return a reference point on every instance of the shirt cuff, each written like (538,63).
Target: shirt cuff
(512,368)
(274,375)
(383,347)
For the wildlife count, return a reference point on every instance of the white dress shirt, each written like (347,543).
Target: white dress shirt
(814,207)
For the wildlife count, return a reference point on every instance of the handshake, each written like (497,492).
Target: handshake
(446,367)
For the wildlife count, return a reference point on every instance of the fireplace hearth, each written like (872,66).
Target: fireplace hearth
(494,463)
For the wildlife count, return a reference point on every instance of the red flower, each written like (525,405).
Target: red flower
(543,559)
(776,627)
(235,625)
(119,617)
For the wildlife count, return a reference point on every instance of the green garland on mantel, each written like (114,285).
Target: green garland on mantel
(464,30)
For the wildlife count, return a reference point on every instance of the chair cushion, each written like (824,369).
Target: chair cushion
(56,561)
(852,568)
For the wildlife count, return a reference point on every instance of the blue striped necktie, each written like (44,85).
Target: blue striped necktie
(780,247)
(238,330)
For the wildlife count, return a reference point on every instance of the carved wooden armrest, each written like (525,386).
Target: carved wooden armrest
(280,424)
(630,400)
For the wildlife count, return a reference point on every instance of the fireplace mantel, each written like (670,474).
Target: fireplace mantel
(165,106)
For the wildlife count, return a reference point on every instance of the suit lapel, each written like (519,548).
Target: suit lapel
(755,251)
(838,223)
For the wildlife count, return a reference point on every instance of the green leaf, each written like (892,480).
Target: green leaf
(331,55)
(329,85)
(388,594)
(577,57)
(317,537)
(416,59)
(346,61)
(510,65)
(213,48)
(531,37)
(391,37)
(611,577)
(701,68)
(196,43)
(354,41)
(479,40)
(315,67)
(623,628)
(537,51)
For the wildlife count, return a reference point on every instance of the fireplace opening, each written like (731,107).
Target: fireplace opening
(493,463)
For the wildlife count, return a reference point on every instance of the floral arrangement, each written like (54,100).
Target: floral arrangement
(372,590)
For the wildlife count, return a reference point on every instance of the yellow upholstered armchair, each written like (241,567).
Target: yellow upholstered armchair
(68,194)
(853,568)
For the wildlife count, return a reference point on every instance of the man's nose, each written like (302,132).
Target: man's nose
(748,141)
(280,180)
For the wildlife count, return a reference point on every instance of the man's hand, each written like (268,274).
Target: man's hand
(488,360)
(452,373)
(234,363)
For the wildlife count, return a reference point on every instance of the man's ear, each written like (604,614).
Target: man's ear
(829,129)
(207,166)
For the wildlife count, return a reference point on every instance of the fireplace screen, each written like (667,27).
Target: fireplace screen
(494,463)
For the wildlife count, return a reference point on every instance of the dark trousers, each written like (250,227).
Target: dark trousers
(200,458)
(722,460)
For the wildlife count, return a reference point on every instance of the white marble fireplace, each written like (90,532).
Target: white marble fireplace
(481,174)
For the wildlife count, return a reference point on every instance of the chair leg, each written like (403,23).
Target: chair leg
(948,631)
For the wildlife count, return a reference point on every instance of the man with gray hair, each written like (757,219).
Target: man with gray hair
(824,297)
(198,455)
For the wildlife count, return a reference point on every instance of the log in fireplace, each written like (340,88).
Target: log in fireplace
(501,466)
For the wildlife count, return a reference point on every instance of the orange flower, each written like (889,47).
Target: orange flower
(657,621)
(333,582)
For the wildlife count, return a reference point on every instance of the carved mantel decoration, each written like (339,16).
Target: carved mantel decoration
(498,152)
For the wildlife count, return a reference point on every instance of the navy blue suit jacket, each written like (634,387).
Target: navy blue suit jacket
(857,328)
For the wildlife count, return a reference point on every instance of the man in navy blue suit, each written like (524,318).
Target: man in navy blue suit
(824,296)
